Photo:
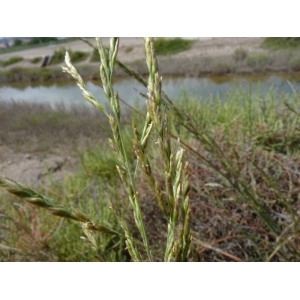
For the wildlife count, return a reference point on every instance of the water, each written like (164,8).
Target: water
(68,93)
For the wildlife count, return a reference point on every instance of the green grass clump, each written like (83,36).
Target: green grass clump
(295,63)
(12,60)
(165,46)
(277,43)
(239,54)
(76,56)
(36,60)
(259,61)
(58,56)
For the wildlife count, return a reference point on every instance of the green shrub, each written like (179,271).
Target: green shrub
(18,42)
(40,40)
(281,42)
(295,63)
(171,46)
(239,54)
(58,56)
(258,61)
(12,60)
(77,56)
(36,60)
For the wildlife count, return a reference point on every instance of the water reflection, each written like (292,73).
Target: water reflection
(68,93)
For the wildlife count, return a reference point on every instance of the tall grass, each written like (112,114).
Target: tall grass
(174,205)
(240,201)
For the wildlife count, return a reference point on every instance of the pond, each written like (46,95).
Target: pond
(67,93)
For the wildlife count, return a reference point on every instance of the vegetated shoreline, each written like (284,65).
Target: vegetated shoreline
(91,72)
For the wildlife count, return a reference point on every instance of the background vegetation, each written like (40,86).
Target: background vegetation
(281,43)
(12,60)
(171,46)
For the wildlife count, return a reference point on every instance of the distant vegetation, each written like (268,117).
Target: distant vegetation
(295,63)
(281,43)
(34,43)
(36,60)
(239,54)
(40,40)
(171,46)
(76,56)
(18,42)
(258,61)
(12,60)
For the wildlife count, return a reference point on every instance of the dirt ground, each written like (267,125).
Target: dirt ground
(35,169)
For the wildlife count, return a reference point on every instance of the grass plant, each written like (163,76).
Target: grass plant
(236,200)
(178,212)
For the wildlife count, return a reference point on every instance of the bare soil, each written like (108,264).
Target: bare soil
(35,169)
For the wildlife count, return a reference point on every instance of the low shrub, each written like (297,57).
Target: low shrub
(36,60)
(171,46)
(17,42)
(78,56)
(258,61)
(295,63)
(239,54)
(12,60)
(281,42)
(58,56)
